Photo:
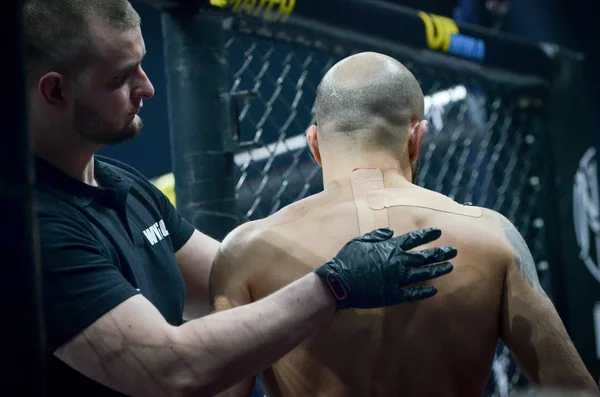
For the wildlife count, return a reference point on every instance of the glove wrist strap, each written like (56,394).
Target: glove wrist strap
(336,287)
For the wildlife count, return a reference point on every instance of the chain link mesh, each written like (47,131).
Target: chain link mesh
(483,144)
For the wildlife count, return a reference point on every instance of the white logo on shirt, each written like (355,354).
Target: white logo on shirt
(156,232)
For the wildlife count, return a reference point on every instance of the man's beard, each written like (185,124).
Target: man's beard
(415,170)
(91,125)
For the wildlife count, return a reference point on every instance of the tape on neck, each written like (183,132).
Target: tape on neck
(372,200)
(363,181)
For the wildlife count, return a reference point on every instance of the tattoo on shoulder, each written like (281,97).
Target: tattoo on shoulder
(523,258)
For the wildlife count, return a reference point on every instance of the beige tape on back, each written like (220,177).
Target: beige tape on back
(365,180)
(381,198)
(372,200)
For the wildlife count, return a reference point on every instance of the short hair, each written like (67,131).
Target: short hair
(379,97)
(57,32)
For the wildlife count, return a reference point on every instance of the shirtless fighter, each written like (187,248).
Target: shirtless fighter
(370,117)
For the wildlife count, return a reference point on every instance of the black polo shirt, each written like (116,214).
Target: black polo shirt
(99,247)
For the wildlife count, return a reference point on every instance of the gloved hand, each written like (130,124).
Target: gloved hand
(373,270)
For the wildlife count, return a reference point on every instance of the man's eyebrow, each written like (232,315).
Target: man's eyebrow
(129,66)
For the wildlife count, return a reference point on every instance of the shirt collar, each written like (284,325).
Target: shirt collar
(112,193)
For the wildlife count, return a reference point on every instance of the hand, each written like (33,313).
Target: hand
(372,271)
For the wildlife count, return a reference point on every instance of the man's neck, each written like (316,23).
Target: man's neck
(64,149)
(337,172)
(79,166)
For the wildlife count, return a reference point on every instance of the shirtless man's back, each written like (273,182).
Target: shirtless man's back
(442,346)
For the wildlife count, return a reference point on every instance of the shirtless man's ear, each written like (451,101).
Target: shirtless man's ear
(312,137)
(415,139)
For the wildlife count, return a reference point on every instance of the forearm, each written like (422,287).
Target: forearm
(224,348)
(561,368)
(566,377)
(544,350)
(568,372)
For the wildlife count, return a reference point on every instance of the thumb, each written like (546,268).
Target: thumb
(377,235)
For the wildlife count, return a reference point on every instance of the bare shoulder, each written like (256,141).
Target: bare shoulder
(501,227)
(232,267)
(493,218)
(261,238)
(234,253)
(251,236)
(248,244)
(484,231)
(239,239)
(240,257)
(244,260)
(519,250)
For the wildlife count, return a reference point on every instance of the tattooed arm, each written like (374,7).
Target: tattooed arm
(530,326)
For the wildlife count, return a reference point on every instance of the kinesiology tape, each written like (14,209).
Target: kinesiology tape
(372,199)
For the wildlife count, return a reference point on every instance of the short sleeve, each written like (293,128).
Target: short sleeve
(80,284)
(179,228)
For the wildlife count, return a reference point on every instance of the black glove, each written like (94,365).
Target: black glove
(371,271)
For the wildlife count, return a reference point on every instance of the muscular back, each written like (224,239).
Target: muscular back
(440,346)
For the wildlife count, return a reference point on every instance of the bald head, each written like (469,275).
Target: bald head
(368,98)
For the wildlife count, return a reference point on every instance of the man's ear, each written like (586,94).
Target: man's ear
(417,133)
(312,137)
(51,88)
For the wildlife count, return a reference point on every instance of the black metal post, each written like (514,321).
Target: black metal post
(23,351)
(196,71)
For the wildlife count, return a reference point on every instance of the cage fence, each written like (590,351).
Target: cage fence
(484,144)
